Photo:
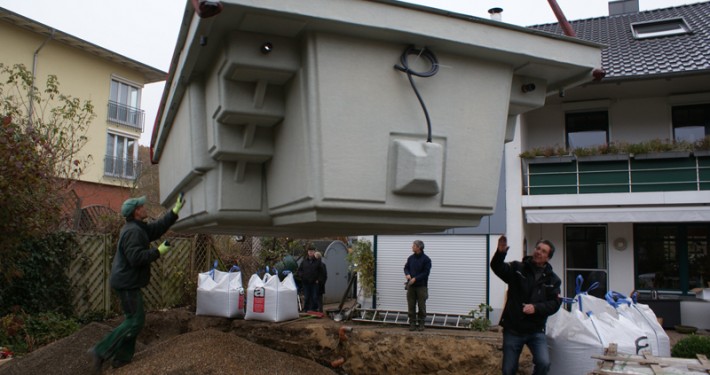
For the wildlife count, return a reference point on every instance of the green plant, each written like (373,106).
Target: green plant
(42,132)
(703,144)
(689,346)
(362,261)
(23,333)
(479,318)
(545,151)
(41,282)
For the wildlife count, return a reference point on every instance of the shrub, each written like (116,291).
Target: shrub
(362,261)
(690,346)
(40,282)
(479,318)
(23,333)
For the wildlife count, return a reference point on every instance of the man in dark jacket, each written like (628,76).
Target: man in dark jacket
(311,273)
(533,295)
(129,273)
(416,272)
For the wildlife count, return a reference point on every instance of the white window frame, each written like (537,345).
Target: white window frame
(124,103)
(118,162)
(658,28)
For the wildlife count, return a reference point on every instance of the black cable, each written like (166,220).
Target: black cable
(427,54)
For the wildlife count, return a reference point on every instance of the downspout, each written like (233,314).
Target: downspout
(566,27)
(30,112)
(598,73)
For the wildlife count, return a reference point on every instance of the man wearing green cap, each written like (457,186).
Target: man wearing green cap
(129,273)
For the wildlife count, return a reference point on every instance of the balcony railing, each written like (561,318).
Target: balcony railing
(126,115)
(570,175)
(122,168)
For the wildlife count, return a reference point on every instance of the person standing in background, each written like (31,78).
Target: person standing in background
(321,283)
(310,272)
(416,273)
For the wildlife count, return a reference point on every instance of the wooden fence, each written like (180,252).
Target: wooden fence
(171,275)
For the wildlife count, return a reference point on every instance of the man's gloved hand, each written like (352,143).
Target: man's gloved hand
(178,204)
(164,247)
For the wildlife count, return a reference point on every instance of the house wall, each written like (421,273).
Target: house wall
(546,126)
(81,75)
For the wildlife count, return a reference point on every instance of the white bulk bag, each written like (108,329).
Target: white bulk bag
(271,300)
(573,337)
(642,315)
(220,293)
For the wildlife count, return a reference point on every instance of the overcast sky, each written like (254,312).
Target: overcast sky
(146,30)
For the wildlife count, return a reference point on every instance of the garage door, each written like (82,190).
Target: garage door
(458,280)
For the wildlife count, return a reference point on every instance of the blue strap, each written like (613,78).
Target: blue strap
(234,268)
(214,266)
(594,285)
(285,272)
(616,299)
(634,297)
(578,286)
(568,300)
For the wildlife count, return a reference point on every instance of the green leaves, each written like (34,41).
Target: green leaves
(690,346)
(362,261)
(41,135)
(479,318)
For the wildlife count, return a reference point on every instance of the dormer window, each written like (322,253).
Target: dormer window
(654,29)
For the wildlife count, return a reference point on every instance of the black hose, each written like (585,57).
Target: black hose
(427,54)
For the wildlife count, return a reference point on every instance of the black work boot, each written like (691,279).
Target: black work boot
(97,361)
(412,327)
(117,363)
(421,325)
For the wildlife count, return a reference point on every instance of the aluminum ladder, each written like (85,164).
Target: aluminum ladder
(400,317)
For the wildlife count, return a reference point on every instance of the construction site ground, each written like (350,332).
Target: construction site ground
(177,342)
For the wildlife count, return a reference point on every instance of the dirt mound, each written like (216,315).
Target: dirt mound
(178,342)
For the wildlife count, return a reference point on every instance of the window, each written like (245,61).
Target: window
(587,129)
(121,157)
(123,106)
(691,123)
(672,257)
(585,255)
(655,29)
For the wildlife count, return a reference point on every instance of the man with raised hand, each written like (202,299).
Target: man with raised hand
(533,295)
(129,273)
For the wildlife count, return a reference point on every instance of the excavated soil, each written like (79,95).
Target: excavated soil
(178,342)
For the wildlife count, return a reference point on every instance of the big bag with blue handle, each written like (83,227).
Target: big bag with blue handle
(220,293)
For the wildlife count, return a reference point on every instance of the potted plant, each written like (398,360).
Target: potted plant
(660,149)
(701,148)
(547,154)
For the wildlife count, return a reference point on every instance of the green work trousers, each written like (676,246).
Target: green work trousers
(121,342)
(416,297)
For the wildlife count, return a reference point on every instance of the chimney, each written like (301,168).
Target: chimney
(496,14)
(623,7)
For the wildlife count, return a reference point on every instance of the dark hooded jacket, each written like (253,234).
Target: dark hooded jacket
(131,264)
(544,294)
(418,266)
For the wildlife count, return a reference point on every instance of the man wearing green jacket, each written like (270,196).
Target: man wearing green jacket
(129,273)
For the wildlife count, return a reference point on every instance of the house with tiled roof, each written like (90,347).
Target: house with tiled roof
(616,173)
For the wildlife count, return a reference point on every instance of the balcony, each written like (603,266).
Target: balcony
(672,171)
(128,169)
(126,115)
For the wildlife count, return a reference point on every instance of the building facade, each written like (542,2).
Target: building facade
(112,82)
(622,216)
(626,191)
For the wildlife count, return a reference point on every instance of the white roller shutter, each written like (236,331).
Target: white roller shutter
(458,279)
